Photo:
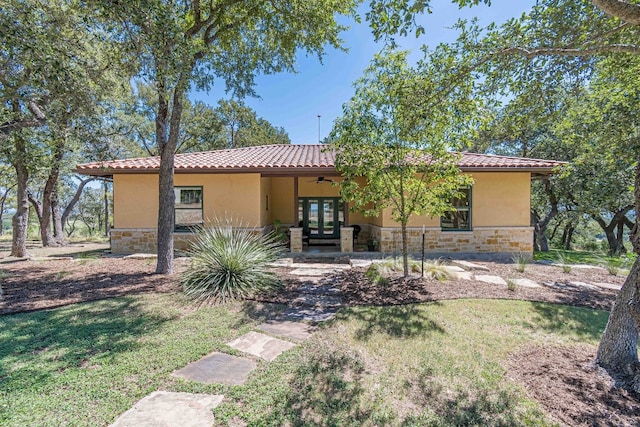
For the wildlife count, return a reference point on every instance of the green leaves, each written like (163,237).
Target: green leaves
(394,139)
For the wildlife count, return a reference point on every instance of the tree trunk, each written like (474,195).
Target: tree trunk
(405,250)
(618,348)
(56,217)
(167,147)
(105,186)
(3,200)
(615,246)
(540,228)
(620,237)
(567,235)
(74,201)
(49,192)
(20,219)
(535,219)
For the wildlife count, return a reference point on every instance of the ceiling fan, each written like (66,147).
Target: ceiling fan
(321,179)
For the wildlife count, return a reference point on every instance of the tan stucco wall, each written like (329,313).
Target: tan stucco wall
(501,199)
(224,195)
(135,201)
(498,199)
(282,200)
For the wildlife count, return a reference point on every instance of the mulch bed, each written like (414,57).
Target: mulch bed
(571,388)
(37,285)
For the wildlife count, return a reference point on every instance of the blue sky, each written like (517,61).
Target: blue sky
(294,101)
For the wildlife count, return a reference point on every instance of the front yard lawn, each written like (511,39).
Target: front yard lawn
(444,363)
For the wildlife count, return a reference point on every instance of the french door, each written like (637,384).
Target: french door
(321,216)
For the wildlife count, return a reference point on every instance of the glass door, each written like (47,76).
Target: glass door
(321,217)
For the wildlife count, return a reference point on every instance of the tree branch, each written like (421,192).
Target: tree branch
(621,9)
(75,199)
(549,51)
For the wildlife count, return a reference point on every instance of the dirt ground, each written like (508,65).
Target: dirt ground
(562,379)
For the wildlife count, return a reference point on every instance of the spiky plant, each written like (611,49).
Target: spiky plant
(521,261)
(612,266)
(562,262)
(230,263)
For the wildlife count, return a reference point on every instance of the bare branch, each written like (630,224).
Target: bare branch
(549,51)
(621,9)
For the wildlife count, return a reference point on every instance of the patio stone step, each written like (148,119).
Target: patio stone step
(309,314)
(167,409)
(296,331)
(494,280)
(218,368)
(469,265)
(261,345)
(317,300)
(526,283)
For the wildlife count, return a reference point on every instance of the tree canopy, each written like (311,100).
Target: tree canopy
(184,45)
(394,138)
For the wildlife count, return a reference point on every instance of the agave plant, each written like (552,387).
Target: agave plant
(230,263)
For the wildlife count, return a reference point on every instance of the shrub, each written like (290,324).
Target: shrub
(521,261)
(376,273)
(565,267)
(612,266)
(511,285)
(230,263)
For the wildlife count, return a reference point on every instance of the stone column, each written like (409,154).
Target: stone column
(295,236)
(346,239)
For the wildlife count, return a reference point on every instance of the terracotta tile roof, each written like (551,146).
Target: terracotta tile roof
(286,158)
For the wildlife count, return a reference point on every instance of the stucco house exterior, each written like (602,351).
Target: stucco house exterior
(294,185)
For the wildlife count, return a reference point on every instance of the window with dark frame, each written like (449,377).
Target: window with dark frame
(460,218)
(188,208)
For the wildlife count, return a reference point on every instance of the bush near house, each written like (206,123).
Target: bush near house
(230,263)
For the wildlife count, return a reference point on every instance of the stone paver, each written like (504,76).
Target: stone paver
(453,268)
(296,331)
(218,368)
(282,262)
(140,256)
(494,280)
(611,286)
(556,285)
(462,275)
(309,314)
(261,345)
(312,271)
(166,409)
(361,263)
(583,285)
(319,288)
(526,283)
(469,265)
(320,266)
(316,300)
(579,266)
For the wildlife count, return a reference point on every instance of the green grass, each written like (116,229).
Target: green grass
(434,364)
(586,257)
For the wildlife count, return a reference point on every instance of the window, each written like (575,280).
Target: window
(460,219)
(188,210)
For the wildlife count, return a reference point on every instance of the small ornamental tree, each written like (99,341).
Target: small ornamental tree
(397,132)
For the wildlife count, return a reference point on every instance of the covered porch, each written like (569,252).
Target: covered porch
(309,209)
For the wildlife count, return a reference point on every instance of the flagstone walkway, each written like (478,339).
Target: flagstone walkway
(319,299)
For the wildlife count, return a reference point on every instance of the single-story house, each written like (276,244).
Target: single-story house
(293,185)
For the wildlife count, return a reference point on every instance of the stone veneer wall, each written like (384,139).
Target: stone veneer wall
(480,239)
(144,240)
